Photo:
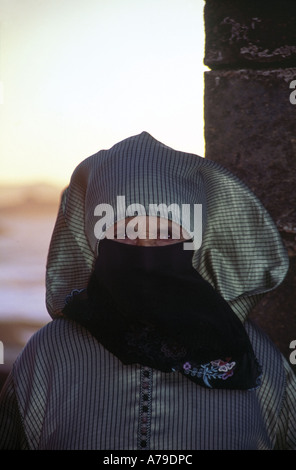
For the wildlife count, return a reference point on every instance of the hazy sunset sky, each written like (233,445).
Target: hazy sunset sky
(81,75)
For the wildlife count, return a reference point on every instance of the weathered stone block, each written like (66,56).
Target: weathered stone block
(250,33)
(250,127)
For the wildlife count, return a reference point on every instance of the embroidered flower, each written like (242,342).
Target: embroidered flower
(223,366)
(227,374)
(217,369)
(216,363)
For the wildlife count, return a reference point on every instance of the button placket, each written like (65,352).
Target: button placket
(145,408)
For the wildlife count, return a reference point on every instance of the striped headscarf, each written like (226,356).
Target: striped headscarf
(241,253)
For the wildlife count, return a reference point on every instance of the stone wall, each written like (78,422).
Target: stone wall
(250,124)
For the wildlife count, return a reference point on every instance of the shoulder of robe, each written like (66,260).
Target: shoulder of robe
(59,340)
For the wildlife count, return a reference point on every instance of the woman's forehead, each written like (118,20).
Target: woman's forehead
(146,219)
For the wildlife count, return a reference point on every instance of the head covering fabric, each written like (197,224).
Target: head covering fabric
(241,255)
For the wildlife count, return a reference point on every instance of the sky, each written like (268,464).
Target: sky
(78,76)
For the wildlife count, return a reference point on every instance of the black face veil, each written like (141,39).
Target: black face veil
(148,305)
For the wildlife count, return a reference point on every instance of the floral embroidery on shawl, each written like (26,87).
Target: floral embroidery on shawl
(217,369)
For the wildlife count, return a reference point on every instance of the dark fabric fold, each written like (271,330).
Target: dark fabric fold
(148,305)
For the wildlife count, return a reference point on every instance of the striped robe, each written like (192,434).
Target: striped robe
(67,392)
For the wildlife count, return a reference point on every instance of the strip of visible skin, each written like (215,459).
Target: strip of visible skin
(136,229)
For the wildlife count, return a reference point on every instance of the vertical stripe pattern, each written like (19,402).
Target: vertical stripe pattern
(67,392)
